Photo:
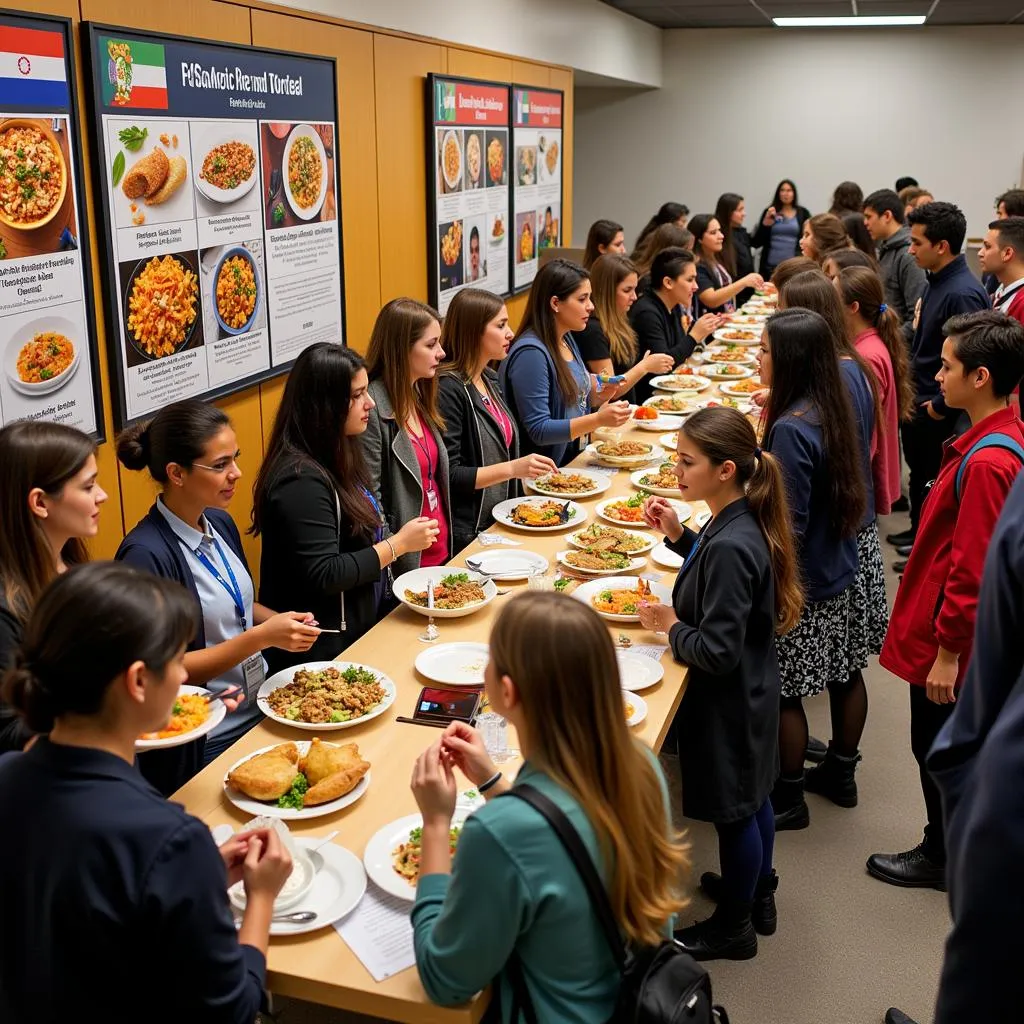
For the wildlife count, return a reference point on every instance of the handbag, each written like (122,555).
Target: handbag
(660,985)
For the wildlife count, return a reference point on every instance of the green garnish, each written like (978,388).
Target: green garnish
(293,798)
(3,250)
(454,579)
(117,171)
(279,213)
(416,835)
(176,710)
(562,582)
(132,138)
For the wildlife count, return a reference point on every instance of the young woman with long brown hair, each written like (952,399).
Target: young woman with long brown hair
(730,210)
(604,236)
(49,505)
(608,343)
(839,259)
(403,443)
(737,589)
(823,233)
(779,229)
(716,288)
(545,380)
(788,269)
(480,431)
(811,428)
(552,674)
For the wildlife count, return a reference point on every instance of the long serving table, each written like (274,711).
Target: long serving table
(319,967)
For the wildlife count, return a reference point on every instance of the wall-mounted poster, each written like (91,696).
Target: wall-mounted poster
(469,205)
(537,178)
(218,168)
(47,329)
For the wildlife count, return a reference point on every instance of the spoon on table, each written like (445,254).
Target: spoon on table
(299,917)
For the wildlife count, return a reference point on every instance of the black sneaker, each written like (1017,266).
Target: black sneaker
(899,567)
(911,869)
(763,914)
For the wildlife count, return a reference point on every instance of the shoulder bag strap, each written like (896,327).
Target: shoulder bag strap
(988,441)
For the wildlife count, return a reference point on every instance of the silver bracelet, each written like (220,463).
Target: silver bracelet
(490,783)
(391,548)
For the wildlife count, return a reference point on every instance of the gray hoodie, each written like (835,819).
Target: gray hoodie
(903,279)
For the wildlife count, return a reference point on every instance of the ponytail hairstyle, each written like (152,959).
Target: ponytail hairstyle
(829,234)
(863,286)
(178,433)
(788,269)
(725,435)
(559,654)
(602,232)
(668,236)
(89,626)
(806,379)
(668,213)
(35,453)
(607,273)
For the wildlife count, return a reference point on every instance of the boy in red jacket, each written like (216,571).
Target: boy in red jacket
(932,623)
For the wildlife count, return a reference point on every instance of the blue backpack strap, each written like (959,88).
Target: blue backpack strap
(988,441)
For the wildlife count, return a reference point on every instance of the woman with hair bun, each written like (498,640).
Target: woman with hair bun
(102,871)
(187,536)
(49,505)
(737,589)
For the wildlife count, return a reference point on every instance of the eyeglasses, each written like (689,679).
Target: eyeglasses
(222,465)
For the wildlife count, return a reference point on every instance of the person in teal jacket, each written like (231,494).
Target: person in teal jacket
(512,888)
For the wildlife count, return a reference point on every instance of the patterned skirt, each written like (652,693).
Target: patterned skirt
(869,608)
(815,653)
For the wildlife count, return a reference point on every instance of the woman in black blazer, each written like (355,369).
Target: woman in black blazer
(738,586)
(780,227)
(325,541)
(480,432)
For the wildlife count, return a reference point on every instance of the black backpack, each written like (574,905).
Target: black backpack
(661,985)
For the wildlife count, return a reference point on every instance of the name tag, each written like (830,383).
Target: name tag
(431,499)
(252,667)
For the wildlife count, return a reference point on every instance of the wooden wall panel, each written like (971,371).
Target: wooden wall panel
(525,72)
(270,400)
(200,19)
(475,64)
(399,67)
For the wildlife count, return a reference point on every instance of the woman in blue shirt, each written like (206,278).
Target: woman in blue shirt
(105,878)
(190,449)
(811,429)
(781,225)
(546,383)
(512,890)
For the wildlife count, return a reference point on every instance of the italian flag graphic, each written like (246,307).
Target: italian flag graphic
(136,74)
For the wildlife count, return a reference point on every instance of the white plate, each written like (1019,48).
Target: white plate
(670,415)
(666,421)
(716,371)
(213,719)
(664,492)
(683,510)
(648,540)
(727,389)
(502,513)
(666,557)
(609,518)
(741,406)
(621,461)
(24,335)
(585,592)
(298,132)
(744,320)
(217,135)
(637,671)
(667,382)
(508,565)
(286,675)
(454,664)
(457,176)
(639,708)
(339,885)
(416,580)
(377,856)
(669,441)
(634,564)
(302,863)
(742,356)
(600,483)
(722,335)
(256,807)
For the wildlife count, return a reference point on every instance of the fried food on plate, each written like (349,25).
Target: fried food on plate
(336,785)
(269,775)
(176,175)
(331,771)
(145,176)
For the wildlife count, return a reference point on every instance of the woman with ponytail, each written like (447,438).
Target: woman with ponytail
(512,892)
(737,589)
(49,505)
(101,870)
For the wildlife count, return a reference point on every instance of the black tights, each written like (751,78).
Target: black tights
(849,711)
(792,737)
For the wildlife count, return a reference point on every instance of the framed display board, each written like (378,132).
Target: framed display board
(48,338)
(469,206)
(218,168)
(537,178)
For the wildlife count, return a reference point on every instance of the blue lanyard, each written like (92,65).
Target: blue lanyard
(233,589)
(696,544)
(379,533)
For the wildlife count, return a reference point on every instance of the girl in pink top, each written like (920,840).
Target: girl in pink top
(874,330)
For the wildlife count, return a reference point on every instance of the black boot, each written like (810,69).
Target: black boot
(788,802)
(763,914)
(912,869)
(834,778)
(815,752)
(726,935)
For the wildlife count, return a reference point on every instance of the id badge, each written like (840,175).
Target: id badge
(252,667)
(431,499)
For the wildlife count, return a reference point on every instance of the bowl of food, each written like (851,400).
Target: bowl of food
(621,453)
(41,356)
(685,383)
(297,885)
(228,170)
(33,174)
(455,593)
(236,291)
(541,515)
(326,695)
(451,159)
(162,305)
(304,169)
(618,598)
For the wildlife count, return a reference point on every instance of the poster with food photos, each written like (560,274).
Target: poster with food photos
(47,329)
(219,176)
(537,178)
(469,204)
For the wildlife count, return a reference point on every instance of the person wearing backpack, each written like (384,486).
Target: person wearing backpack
(932,625)
(512,907)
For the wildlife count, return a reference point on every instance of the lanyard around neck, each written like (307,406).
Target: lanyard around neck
(233,589)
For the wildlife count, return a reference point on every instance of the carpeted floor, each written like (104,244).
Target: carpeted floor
(847,946)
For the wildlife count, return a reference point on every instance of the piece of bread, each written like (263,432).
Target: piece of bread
(176,176)
(336,785)
(269,775)
(145,176)
(325,759)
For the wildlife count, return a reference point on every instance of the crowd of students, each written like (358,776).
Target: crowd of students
(378,466)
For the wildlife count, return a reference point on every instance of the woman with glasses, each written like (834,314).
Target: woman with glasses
(191,451)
